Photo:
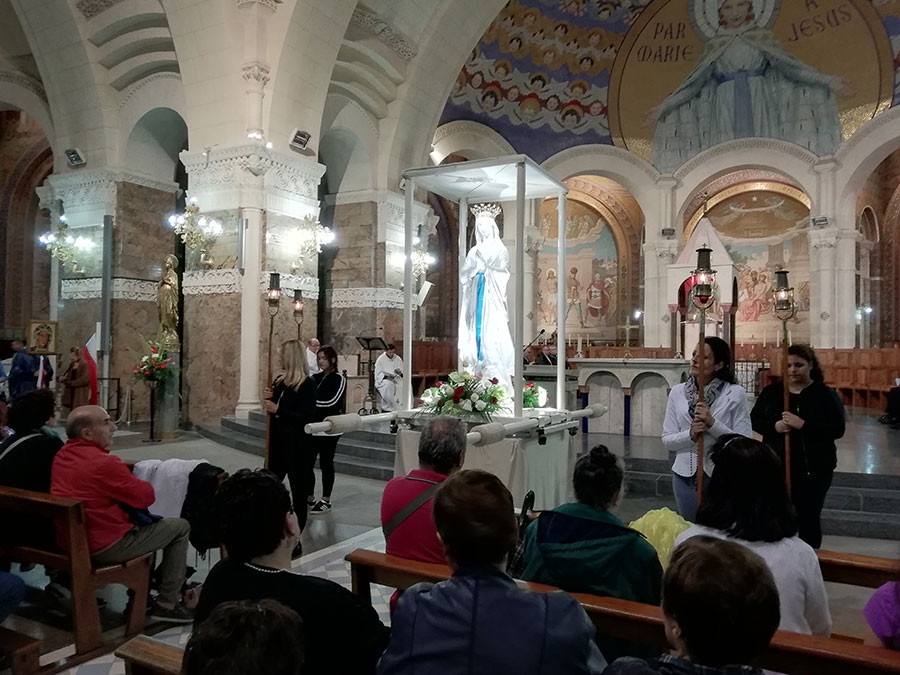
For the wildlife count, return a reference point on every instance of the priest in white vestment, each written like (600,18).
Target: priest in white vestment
(312,359)
(388,370)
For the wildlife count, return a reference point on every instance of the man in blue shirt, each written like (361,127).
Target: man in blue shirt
(24,371)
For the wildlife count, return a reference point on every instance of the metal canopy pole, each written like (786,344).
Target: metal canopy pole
(463,224)
(561,277)
(407,298)
(519,322)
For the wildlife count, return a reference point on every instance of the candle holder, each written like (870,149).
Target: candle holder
(297,306)
(273,300)
(785,308)
(702,296)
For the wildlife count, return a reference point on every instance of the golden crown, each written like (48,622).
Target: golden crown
(488,209)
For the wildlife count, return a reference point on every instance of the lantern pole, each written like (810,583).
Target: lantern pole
(785,308)
(702,294)
(273,297)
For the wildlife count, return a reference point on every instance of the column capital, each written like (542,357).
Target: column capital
(254,176)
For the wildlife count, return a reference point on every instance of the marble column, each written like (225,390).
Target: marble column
(845,280)
(822,293)
(868,328)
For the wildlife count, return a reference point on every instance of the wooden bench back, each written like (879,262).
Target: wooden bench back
(858,570)
(788,652)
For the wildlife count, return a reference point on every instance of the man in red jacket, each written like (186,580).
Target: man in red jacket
(83,469)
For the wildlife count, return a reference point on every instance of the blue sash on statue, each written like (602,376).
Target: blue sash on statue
(479,313)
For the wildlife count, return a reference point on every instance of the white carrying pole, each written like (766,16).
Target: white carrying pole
(561,277)
(463,225)
(519,322)
(407,298)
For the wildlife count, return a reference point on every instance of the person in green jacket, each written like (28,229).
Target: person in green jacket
(583,548)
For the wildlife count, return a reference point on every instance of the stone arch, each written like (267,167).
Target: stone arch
(867,224)
(347,146)
(606,389)
(144,97)
(649,397)
(635,174)
(788,159)
(406,138)
(470,139)
(22,93)
(861,154)
(154,143)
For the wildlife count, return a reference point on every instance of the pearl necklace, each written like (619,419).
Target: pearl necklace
(257,568)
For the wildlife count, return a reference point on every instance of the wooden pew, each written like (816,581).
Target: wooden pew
(145,656)
(85,576)
(858,570)
(788,652)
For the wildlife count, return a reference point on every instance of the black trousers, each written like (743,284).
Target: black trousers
(808,494)
(324,448)
(287,458)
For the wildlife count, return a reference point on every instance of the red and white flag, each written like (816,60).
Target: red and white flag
(89,354)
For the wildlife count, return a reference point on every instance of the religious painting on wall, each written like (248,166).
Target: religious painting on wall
(667,79)
(591,275)
(764,231)
(719,70)
(41,337)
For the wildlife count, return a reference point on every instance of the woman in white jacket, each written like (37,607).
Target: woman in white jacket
(724,411)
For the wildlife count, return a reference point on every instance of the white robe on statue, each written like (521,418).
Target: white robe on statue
(746,85)
(484,320)
(385,367)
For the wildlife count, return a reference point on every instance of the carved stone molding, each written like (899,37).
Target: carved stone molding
(390,209)
(272,4)
(244,165)
(98,187)
(289,282)
(123,289)
(137,86)
(256,72)
(211,282)
(745,145)
(598,152)
(384,32)
(379,298)
(91,8)
(22,80)
(474,128)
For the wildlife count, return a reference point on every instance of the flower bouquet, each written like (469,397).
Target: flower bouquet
(465,395)
(155,365)
(533,396)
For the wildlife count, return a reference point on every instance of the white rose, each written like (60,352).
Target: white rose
(473,398)
(480,405)
(467,405)
(446,389)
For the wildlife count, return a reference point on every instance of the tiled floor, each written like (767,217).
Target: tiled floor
(354,522)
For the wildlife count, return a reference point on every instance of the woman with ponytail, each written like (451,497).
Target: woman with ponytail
(583,548)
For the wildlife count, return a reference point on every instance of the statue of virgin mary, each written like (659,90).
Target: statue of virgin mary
(484,337)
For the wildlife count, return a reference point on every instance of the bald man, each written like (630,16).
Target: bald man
(312,350)
(114,501)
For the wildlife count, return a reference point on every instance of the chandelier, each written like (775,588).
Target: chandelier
(196,231)
(65,247)
(421,259)
(307,240)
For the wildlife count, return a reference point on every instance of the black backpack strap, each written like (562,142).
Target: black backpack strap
(413,506)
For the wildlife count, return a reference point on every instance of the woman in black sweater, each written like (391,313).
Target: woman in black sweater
(815,419)
(292,402)
(331,387)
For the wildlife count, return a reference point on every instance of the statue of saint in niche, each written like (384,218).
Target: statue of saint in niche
(167,302)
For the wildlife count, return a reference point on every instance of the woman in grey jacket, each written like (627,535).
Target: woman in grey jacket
(724,411)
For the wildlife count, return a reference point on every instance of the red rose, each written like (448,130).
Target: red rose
(153,350)
(494,399)
(530,385)
(494,380)
(457,394)
(162,365)
(440,403)
(438,384)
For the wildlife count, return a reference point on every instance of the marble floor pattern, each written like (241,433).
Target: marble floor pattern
(354,522)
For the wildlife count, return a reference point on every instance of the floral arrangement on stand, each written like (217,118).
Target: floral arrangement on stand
(155,364)
(465,395)
(533,396)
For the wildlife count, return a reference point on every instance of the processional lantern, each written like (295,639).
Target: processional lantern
(704,280)
(783,296)
(297,306)
(273,293)
(273,297)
